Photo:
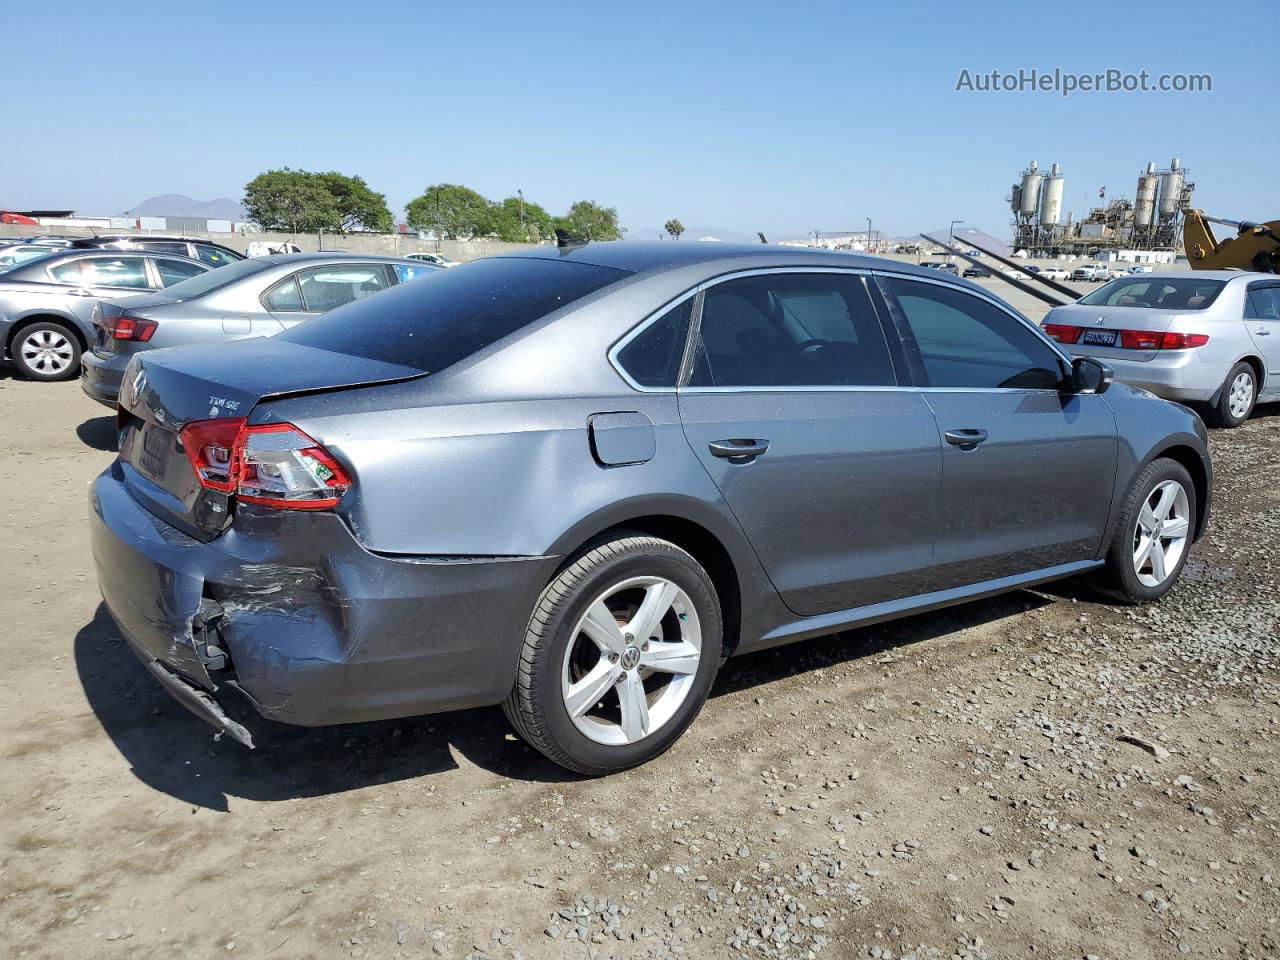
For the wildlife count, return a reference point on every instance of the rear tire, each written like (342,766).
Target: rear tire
(619,655)
(1236,399)
(46,351)
(1153,535)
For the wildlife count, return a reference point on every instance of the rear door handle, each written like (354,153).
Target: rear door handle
(1263,332)
(738,449)
(965,439)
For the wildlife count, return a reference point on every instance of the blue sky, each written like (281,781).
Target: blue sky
(782,117)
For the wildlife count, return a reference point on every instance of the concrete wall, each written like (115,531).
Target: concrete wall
(390,244)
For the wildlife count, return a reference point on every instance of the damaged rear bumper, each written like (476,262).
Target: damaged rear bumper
(289,610)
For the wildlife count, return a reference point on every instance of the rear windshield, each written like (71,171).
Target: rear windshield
(440,319)
(203,283)
(1159,293)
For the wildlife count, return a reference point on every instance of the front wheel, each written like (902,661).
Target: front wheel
(1153,536)
(619,656)
(46,351)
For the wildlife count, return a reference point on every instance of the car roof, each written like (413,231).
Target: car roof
(660,256)
(331,258)
(1202,274)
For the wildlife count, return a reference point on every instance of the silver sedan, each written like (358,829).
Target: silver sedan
(1206,338)
(258,297)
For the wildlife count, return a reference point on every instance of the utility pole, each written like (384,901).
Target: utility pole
(870,249)
(520,194)
(951,233)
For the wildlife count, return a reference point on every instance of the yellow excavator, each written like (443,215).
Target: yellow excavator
(1256,246)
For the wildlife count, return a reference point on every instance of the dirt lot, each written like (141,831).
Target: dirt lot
(958,784)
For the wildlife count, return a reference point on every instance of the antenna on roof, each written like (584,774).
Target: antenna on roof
(564,241)
(761,236)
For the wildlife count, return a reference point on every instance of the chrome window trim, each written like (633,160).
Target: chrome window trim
(693,331)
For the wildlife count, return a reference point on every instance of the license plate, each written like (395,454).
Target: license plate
(1100,338)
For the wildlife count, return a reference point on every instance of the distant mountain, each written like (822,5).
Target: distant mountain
(178,205)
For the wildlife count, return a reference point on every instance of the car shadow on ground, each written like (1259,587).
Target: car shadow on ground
(172,751)
(98,433)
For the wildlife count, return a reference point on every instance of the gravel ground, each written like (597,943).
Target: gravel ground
(1037,775)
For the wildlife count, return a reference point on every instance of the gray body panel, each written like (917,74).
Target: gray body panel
(475,482)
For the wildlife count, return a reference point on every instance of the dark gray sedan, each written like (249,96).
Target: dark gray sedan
(574,481)
(251,298)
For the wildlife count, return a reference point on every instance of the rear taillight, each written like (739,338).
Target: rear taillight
(1063,333)
(280,466)
(1148,340)
(129,328)
(276,465)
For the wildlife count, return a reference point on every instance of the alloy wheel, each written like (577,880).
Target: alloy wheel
(1160,536)
(631,660)
(47,352)
(1240,395)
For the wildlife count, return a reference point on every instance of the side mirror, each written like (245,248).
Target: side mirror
(1090,376)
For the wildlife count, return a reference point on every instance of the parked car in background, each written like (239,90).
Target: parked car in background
(438,259)
(942,266)
(265,248)
(972,272)
(1209,338)
(257,297)
(1091,272)
(214,254)
(1013,274)
(1138,268)
(572,481)
(46,303)
(1054,273)
(51,241)
(17,253)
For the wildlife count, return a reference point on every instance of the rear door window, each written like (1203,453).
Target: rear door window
(411,271)
(436,323)
(791,330)
(175,271)
(129,272)
(1263,303)
(324,288)
(164,246)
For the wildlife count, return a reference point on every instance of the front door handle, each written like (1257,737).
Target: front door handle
(739,449)
(1263,332)
(965,439)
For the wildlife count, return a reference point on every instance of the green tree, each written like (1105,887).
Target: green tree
(591,221)
(674,227)
(290,200)
(452,211)
(521,221)
(358,205)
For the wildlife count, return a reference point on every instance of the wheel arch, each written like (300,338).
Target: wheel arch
(703,537)
(31,319)
(1189,458)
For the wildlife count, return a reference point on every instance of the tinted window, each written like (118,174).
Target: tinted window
(1161,293)
(215,257)
(790,329)
(284,296)
(175,271)
(216,279)
(164,246)
(324,288)
(1263,303)
(653,358)
(433,324)
(411,271)
(967,342)
(103,272)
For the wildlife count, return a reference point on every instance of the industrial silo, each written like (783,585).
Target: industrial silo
(1051,200)
(1171,189)
(1144,201)
(1031,180)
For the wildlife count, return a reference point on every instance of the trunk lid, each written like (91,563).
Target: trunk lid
(1099,322)
(165,390)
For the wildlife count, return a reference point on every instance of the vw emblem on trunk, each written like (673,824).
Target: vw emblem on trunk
(139,383)
(1100,321)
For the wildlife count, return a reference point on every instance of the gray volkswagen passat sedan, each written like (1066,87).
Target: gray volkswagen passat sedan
(252,298)
(46,303)
(573,481)
(1209,338)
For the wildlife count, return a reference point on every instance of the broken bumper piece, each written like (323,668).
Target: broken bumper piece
(196,700)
